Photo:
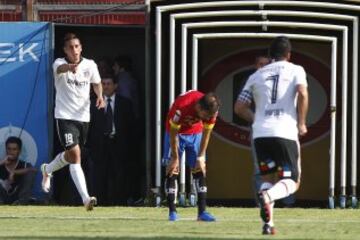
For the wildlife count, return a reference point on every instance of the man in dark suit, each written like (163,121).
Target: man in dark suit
(110,139)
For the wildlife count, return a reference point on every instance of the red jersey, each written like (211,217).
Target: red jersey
(182,114)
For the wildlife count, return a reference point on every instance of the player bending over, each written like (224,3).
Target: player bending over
(188,127)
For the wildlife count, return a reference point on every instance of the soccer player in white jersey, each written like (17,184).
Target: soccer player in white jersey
(279,91)
(73,76)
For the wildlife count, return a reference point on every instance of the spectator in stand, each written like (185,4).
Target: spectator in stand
(16,176)
(261,61)
(128,88)
(127,84)
(104,66)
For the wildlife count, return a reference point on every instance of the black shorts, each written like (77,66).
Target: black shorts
(278,155)
(71,133)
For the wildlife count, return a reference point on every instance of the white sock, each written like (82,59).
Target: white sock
(282,189)
(78,177)
(271,222)
(265,186)
(58,162)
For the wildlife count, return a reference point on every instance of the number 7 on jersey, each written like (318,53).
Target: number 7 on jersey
(275,79)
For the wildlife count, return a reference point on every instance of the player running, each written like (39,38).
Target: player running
(280,93)
(73,75)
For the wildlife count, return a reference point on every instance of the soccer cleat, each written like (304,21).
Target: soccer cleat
(268,230)
(206,217)
(173,216)
(90,203)
(265,206)
(46,179)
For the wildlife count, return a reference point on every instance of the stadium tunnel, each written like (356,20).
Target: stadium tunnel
(223,67)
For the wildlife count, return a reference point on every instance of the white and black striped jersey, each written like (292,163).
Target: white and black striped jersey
(273,89)
(73,90)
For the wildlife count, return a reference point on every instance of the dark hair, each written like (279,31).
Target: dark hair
(210,103)
(279,47)
(124,62)
(110,76)
(258,57)
(104,66)
(68,37)
(15,140)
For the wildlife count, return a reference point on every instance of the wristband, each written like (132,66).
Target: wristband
(209,126)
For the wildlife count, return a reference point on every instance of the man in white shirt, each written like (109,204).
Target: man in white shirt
(73,76)
(279,91)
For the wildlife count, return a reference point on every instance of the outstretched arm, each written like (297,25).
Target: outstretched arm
(66,67)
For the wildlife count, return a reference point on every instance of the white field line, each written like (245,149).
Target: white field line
(300,220)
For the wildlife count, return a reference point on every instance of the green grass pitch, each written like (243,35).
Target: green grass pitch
(53,222)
